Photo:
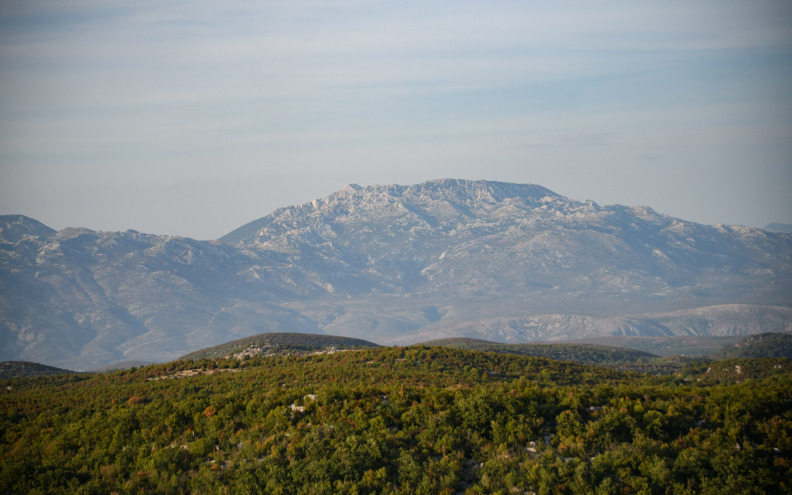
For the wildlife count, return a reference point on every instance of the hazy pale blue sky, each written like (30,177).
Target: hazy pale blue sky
(192,118)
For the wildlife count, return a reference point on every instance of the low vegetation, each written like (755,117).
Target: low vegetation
(669,346)
(758,345)
(21,369)
(280,343)
(615,357)
(400,420)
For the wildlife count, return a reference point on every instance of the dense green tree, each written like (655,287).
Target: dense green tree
(399,420)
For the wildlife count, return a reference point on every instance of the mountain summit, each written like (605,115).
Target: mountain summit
(435,202)
(394,264)
(470,239)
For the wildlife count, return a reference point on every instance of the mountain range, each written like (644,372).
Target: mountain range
(394,265)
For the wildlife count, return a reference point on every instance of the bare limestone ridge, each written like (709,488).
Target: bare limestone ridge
(393,265)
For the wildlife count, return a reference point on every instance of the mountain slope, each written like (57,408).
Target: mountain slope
(82,299)
(468,258)
(23,369)
(481,238)
(393,265)
(16,228)
(717,321)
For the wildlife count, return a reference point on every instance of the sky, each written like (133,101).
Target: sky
(194,118)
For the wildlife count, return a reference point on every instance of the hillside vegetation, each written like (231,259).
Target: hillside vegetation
(687,345)
(280,343)
(20,369)
(601,355)
(760,345)
(579,353)
(423,420)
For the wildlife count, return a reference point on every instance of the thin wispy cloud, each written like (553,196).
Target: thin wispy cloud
(334,89)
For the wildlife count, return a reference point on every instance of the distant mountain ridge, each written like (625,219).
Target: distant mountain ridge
(393,265)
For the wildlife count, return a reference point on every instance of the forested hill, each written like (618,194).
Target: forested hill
(756,346)
(579,353)
(679,345)
(280,343)
(20,369)
(400,420)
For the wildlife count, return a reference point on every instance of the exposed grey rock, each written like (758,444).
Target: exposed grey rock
(390,264)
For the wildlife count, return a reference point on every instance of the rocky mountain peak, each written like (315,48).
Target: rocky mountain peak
(429,204)
(391,264)
(14,228)
(451,191)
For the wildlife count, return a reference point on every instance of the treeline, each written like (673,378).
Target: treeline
(400,420)
(614,357)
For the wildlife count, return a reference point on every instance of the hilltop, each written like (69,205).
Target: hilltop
(279,343)
(23,369)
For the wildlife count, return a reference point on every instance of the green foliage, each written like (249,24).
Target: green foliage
(758,346)
(671,345)
(733,370)
(19,369)
(603,355)
(281,343)
(582,353)
(399,420)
